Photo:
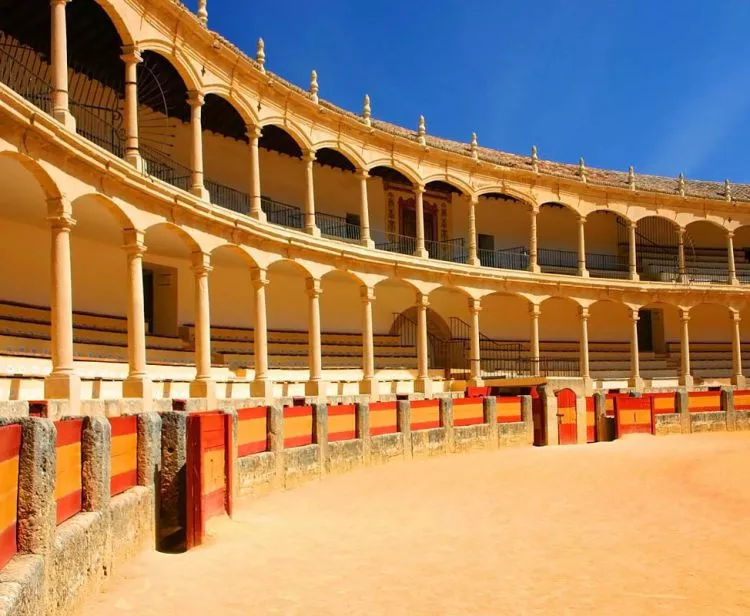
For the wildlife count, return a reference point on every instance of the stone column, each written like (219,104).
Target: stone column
(62,383)
(732,268)
(310,226)
(473,256)
(582,271)
(535,311)
(533,242)
(738,379)
(369,384)
(196,100)
(262,386)
(681,255)
(59,61)
(423,384)
(315,385)
(632,252)
(137,384)
(635,380)
(475,352)
(686,378)
(364,218)
(131,56)
(420,250)
(583,314)
(203,385)
(253,136)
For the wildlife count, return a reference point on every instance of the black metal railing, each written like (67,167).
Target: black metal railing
(452,250)
(100,125)
(516,258)
(282,214)
(162,167)
(393,242)
(229,198)
(337,227)
(530,366)
(461,330)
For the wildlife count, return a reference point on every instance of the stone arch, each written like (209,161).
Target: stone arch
(237,250)
(294,264)
(501,189)
(176,58)
(44,179)
(557,237)
(240,105)
(289,127)
(117,212)
(707,233)
(606,239)
(118,21)
(446,178)
(393,163)
(352,276)
(190,242)
(344,149)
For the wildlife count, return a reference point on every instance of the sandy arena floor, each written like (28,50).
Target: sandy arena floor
(640,526)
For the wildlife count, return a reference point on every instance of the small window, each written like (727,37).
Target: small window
(485,242)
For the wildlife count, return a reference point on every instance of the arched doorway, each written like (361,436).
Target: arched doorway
(567,420)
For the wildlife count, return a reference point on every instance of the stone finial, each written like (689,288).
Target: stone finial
(422,131)
(474,146)
(203,12)
(260,55)
(582,170)
(631,178)
(727,190)
(534,159)
(681,184)
(314,86)
(367,111)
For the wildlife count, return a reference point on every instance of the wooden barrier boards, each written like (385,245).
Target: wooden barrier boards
(704,401)
(567,418)
(342,423)
(662,403)
(590,420)
(468,411)
(10,452)
(252,430)
(425,414)
(633,416)
(383,418)
(298,426)
(123,454)
(68,486)
(508,409)
(742,400)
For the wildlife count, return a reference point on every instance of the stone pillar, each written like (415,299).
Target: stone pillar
(262,386)
(96,462)
(635,380)
(583,314)
(686,378)
(310,226)
(423,384)
(137,384)
(489,417)
(369,384)
(475,353)
(253,136)
(62,383)
(534,311)
(473,256)
(738,379)
(131,56)
(732,268)
(364,217)
(582,271)
(533,243)
(632,252)
(59,61)
(420,250)
(315,385)
(681,255)
(403,423)
(196,100)
(203,385)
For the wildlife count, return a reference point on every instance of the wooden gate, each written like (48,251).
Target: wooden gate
(209,471)
(591,435)
(567,422)
(633,416)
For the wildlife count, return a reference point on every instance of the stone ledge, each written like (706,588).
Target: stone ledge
(132,516)
(471,438)
(429,442)
(22,586)
(344,456)
(256,474)
(666,424)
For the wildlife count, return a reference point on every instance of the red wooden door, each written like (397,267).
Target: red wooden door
(540,421)
(567,423)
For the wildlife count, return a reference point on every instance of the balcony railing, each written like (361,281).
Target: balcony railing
(337,227)
(21,70)
(393,242)
(160,166)
(530,366)
(282,214)
(516,258)
(229,198)
(452,250)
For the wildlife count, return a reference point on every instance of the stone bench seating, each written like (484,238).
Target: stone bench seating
(39,314)
(237,361)
(293,348)
(229,334)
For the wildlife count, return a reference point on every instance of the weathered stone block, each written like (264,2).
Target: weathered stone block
(708,422)
(471,438)
(14,408)
(22,591)
(742,420)
(96,460)
(256,474)
(512,435)
(344,456)
(425,443)
(172,507)
(667,424)
(386,447)
(301,464)
(133,523)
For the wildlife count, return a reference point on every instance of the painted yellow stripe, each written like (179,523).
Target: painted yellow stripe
(383,418)
(252,431)
(590,418)
(640,417)
(8,492)
(742,400)
(8,474)
(124,444)
(341,423)
(213,470)
(425,414)
(125,454)
(468,411)
(509,409)
(704,401)
(297,426)
(68,470)
(663,403)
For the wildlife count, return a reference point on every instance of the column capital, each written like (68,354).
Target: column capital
(635,314)
(314,288)
(309,156)
(685,314)
(419,189)
(131,54)
(632,224)
(259,277)
(423,300)
(735,315)
(583,313)
(475,305)
(202,263)
(133,243)
(253,131)
(681,232)
(363,174)
(581,219)
(195,98)
(730,233)
(474,200)
(367,294)
(534,209)
(61,221)
(535,310)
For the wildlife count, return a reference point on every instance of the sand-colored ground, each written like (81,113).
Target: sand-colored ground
(641,526)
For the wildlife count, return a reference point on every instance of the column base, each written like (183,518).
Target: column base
(367,242)
(133,157)
(476,382)
(204,388)
(65,118)
(260,215)
(686,381)
(634,276)
(535,268)
(370,387)
(314,231)
(635,382)
(201,193)
(423,385)
(422,253)
(262,388)
(138,387)
(739,381)
(64,386)
(734,281)
(583,273)
(316,389)
(474,261)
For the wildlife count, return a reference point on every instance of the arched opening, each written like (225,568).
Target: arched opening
(557,239)
(282,174)
(659,329)
(741,241)
(657,248)
(609,331)
(559,337)
(445,212)
(502,231)
(391,194)
(711,332)
(567,417)
(607,245)
(708,261)
(337,196)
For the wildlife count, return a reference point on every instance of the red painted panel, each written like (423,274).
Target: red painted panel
(10,451)
(383,418)
(633,416)
(478,392)
(566,415)
(590,420)
(704,401)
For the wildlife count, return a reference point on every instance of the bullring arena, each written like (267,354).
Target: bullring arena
(219,286)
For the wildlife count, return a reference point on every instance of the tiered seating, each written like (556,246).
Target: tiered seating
(702,264)
(710,360)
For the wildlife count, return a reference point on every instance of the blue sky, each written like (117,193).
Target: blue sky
(663,85)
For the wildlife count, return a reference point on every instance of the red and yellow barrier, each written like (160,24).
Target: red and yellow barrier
(252,430)
(590,420)
(662,403)
(298,426)
(213,444)
(742,400)
(508,409)
(68,486)
(425,414)
(10,453)
(567,417)
(468,411)
(704,401)
(478,392)
(633,416)
(609,405)
(383,418)
(342,423)
(123,454)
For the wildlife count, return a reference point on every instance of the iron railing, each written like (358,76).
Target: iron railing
(282,214)
(229,198)
(100,125)
(162,167)
(516,258)
(530,366)
(392,242)
(337,227)
(22,70)
(452,250)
